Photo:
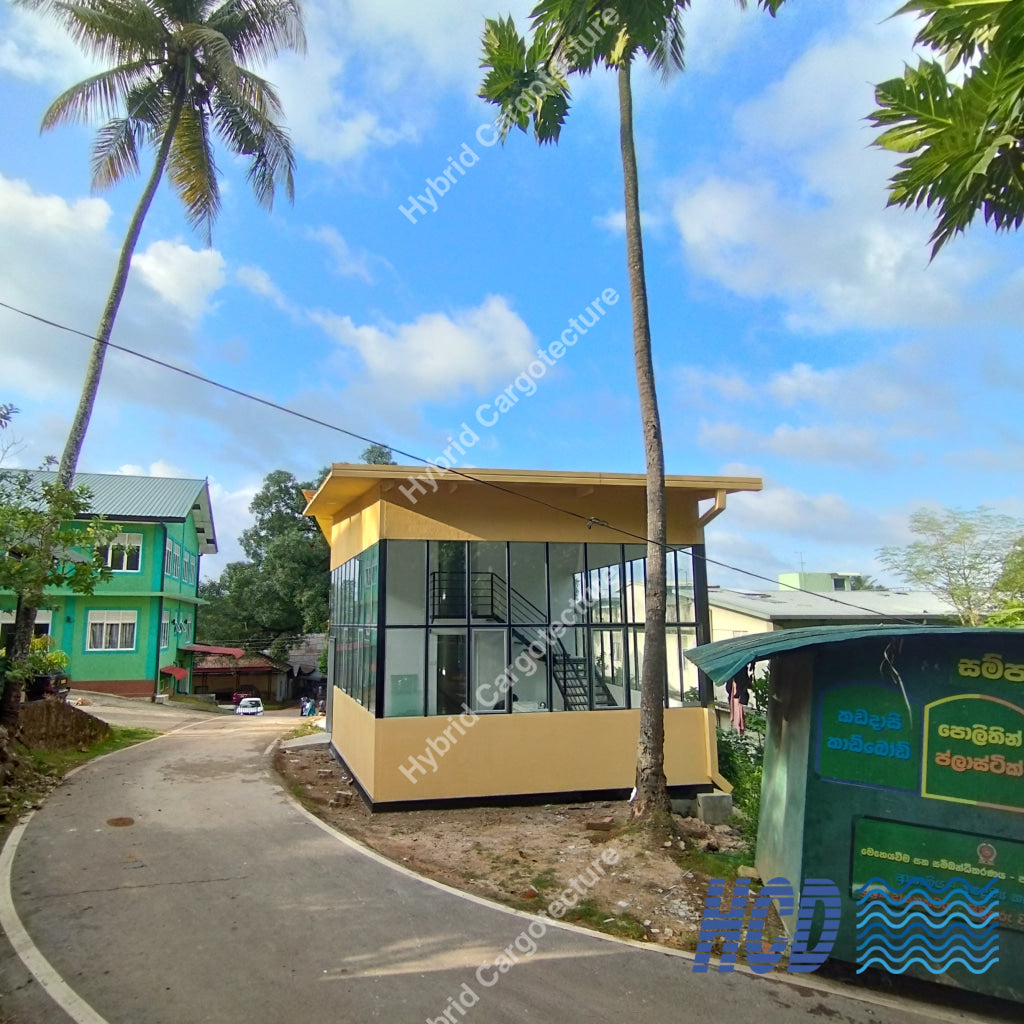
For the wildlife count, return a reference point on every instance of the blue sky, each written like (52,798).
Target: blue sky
(800,332)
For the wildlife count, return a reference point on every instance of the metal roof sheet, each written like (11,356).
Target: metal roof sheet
(851,605)
(147,499)
(724,658)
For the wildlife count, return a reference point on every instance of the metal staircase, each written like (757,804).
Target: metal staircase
(490,600)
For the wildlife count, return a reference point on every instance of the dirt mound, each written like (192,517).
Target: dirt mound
(54,725)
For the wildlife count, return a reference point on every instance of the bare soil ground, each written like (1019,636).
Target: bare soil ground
(526,856)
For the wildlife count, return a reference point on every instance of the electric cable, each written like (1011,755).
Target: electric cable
(590,521)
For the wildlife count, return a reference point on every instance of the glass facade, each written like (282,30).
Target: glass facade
(355,597)
(503,628)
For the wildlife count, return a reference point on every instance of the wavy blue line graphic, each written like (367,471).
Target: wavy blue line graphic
(938,957)
(932,968)
(929,920)
(934,926)
(923,941)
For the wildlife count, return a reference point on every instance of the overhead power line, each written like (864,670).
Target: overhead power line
(589,520)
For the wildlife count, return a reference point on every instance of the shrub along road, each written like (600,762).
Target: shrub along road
(176,881)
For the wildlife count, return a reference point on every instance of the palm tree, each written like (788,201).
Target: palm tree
(529,80)
(177,77)
(178,71)
(960,119)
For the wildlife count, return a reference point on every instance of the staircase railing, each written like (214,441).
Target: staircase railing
(491,599)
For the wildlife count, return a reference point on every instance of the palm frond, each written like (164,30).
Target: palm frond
(114,31)
(668,54)
(99,96)
(193,171)
(260,29)
(215,60)
(115,152)
(248,131)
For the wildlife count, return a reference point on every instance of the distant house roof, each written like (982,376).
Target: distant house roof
(144,499)
(227,664)
(867,606)
(235,652)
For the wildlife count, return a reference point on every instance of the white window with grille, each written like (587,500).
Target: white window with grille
(111,631)
(125,553)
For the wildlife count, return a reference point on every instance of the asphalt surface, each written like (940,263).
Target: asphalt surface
(223,901)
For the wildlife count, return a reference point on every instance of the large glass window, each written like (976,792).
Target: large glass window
(528,594)
(354,596)
(604,582)
(635,582)
(404,681)
(407,583)
(488,582)
(448,581)
(488,663)
(570,678)
(558,626)
(566,573)
(607,656)
(447,671)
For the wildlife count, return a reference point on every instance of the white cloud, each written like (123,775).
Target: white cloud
(437,355)
(185,278)
(158,468)
(35,48)
(259,282)
(808,222)
(231,516)
(346,261)
(840,444)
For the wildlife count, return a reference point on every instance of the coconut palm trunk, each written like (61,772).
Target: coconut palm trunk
(651,784)
(80,424)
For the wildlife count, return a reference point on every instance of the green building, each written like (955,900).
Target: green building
(134,632)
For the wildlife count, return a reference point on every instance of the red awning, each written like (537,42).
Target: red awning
(174,670)
(235,652)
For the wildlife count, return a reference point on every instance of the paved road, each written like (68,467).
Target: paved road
(223,902)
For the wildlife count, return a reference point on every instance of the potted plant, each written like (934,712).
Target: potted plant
(45,663)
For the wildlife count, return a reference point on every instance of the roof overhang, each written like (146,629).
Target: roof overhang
(175,670)
(351,485)
(724,658)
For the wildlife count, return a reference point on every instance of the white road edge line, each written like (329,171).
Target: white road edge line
(41,968)
(930,1011)
(28,952)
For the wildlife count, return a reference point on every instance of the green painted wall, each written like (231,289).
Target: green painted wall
(138,591)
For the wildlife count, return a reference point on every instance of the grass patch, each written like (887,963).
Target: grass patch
(545,881)
(589,914)
(714,865)
(60,762)
(306,729)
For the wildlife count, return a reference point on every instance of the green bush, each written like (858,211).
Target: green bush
(741,763)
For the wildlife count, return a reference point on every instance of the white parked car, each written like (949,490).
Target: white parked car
(249,706)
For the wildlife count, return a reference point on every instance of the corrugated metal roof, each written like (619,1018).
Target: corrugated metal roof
(147,499)
(864,605)
(724,658)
